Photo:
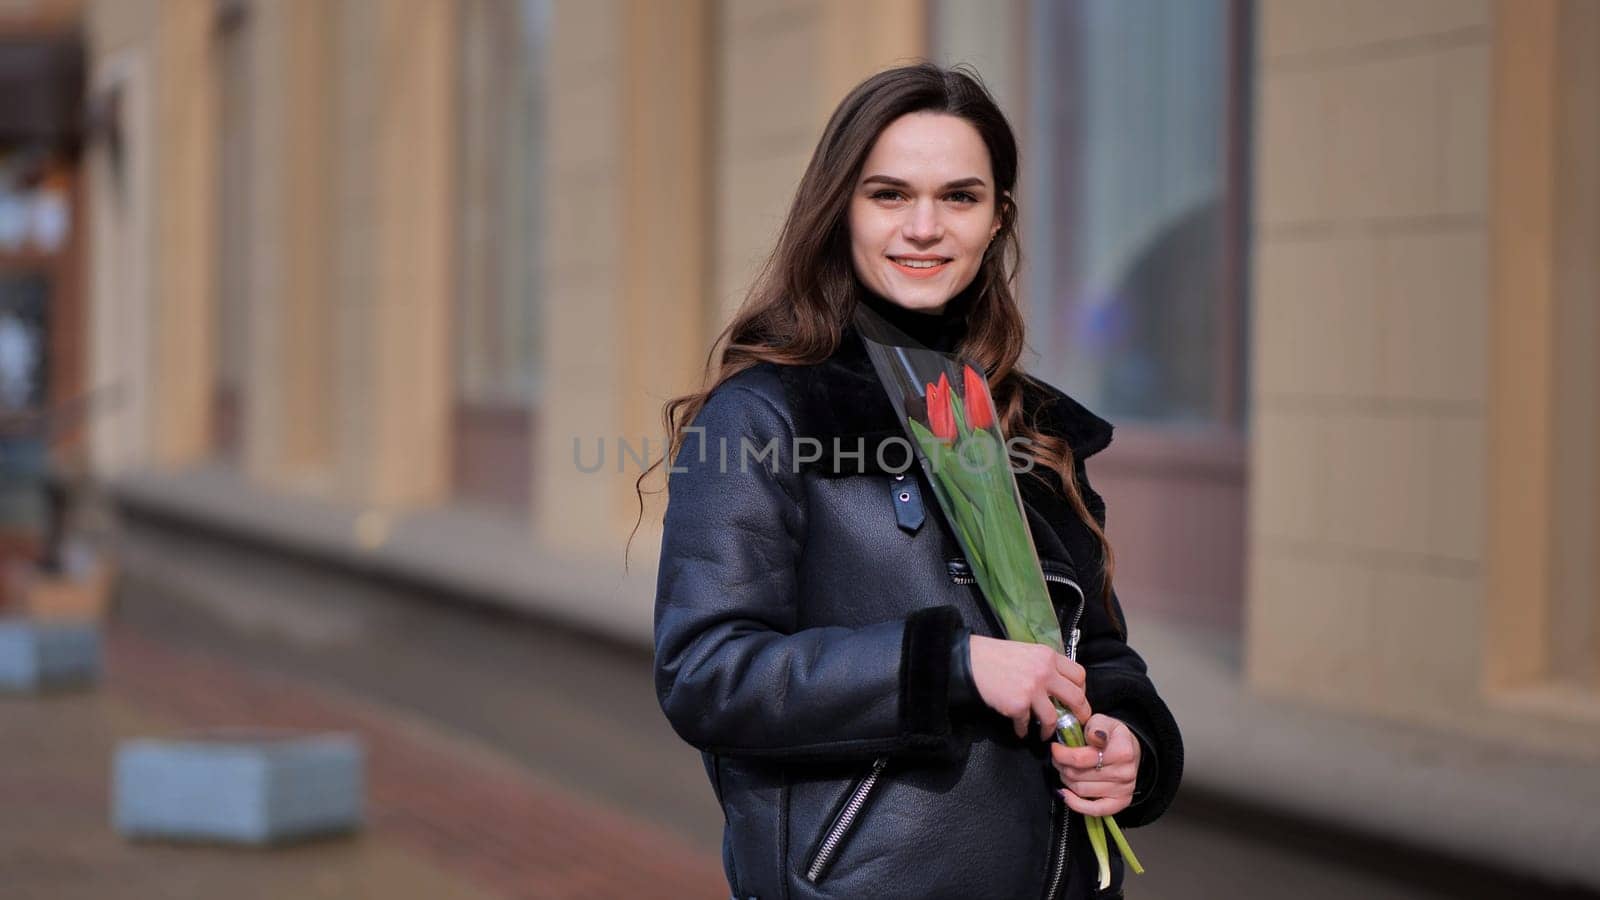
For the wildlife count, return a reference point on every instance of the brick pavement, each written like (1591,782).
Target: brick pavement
(446,817)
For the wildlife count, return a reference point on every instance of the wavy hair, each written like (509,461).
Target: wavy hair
(798,307)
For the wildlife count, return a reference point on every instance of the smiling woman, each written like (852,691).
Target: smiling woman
(819,637)
(924,214)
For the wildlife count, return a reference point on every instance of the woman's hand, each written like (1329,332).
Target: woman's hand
(1107,790)
(1019,679)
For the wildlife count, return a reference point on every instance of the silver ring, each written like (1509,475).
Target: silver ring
(1100,761)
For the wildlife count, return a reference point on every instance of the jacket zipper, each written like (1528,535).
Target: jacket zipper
(1059,866)
(847,817)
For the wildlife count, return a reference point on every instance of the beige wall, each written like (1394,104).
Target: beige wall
(406,441)
(1423,367)
(581,278)
(670,164)
(628,212)
(1370,352)
(292,247)
(184,273)
(351,244)
(1544,593)
(658,269)
(151,251)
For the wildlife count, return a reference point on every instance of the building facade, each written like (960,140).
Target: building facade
(421,274)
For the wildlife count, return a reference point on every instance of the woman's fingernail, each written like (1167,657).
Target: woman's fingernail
(1100,734)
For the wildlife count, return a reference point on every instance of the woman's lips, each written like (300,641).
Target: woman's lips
(919,272)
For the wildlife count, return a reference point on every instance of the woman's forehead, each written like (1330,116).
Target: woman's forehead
(929,149)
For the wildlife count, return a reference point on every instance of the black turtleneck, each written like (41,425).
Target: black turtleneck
(941,330)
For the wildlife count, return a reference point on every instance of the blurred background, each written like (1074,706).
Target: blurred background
(335,333)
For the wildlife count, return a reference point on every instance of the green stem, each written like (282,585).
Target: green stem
(1097,840)
(1122,845)
(1098,825)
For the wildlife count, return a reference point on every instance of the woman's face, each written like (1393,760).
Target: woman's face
(923,211)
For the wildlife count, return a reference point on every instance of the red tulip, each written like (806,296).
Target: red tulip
(980,414)
(941,417)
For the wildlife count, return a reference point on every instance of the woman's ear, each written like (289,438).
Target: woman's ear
(1003,213)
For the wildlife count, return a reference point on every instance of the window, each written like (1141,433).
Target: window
(501,103)
(1136,269)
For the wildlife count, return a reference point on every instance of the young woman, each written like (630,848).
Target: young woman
(865,727)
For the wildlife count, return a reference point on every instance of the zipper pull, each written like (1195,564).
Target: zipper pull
(1072,645)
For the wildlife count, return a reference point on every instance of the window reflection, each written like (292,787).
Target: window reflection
(1135,301)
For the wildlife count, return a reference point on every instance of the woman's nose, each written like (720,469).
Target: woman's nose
(923,223)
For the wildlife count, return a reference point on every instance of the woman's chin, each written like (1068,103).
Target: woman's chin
(922,298)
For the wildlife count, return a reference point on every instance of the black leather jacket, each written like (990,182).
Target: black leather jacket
(812,610)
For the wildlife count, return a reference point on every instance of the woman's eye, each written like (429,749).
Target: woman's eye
(957,196)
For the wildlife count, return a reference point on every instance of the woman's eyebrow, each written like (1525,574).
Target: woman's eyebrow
(902,183)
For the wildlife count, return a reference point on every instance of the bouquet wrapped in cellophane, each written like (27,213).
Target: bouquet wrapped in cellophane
(959,445)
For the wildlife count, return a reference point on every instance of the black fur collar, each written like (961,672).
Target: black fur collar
(841,398)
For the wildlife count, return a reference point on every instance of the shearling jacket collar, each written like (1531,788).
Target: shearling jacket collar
(841,404)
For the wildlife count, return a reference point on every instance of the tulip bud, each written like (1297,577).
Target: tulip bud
(941,417)
(980,413)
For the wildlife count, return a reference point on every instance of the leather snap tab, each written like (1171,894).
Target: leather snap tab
(907,499)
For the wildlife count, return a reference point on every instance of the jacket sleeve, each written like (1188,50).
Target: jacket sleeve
(1118,685)
(733,673)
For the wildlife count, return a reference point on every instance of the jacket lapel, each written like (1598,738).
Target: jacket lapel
(840,404)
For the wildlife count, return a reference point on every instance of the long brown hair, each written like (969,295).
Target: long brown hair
(805,294)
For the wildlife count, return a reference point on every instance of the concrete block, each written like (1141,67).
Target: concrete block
(1458,503)
(1310,626)
(1290,476)
(1320,297)
(238,787)
(1427,649)
(1433,311)
(1466,101)
(35,655)
(1377,497)
(1384,139)
(1292,171)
